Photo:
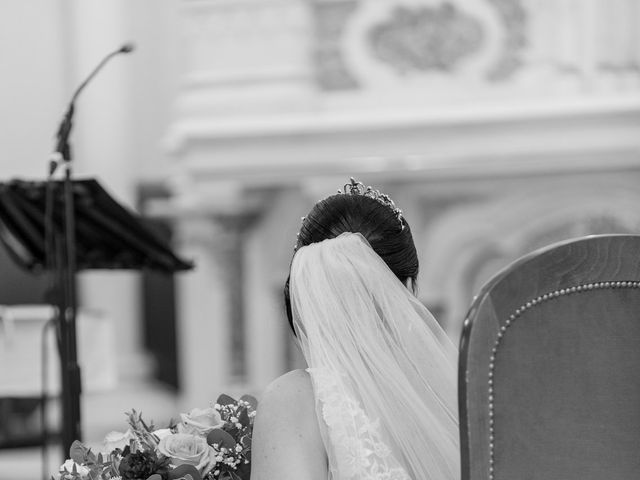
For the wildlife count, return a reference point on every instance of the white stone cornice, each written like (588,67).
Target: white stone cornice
(315,123)
(575,136)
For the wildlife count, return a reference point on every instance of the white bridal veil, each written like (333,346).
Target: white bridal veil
(383,371)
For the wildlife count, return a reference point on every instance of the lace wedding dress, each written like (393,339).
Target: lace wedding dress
(356,443)
(383,371)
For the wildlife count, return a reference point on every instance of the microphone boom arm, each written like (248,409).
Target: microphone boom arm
(64,263)
(62,151)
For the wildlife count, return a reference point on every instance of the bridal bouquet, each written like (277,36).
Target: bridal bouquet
(207,444)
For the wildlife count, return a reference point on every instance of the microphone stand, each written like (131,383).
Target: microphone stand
(65,271)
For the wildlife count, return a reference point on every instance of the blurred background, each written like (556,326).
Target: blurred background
(498,126)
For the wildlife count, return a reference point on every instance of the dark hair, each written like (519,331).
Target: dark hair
(389,236)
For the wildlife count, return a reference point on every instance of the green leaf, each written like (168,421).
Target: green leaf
(78,452)
(251,400)
(245,441)
(90,457)
(184,472)
(243,417)
(235,476)
(225,399)
(243,471)
(222,438)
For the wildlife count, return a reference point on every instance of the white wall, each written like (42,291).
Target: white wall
(47,47)
(32,84)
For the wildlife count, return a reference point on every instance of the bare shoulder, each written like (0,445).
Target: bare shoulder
(292,387)
(287,402)
(286,442)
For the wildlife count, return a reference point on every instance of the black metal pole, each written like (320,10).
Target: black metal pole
(67,305)
(65,274)
(70,370)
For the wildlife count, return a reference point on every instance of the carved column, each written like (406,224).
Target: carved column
(212,224)
(266,335)
(204,308)
(268,249)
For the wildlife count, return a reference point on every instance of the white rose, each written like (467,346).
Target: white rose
(68,467)
(183,448)
(115,440)
(200,421)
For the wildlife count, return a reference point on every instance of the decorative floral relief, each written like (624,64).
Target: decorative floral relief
(426,38)
(330,19)
(514,19)
(358,447)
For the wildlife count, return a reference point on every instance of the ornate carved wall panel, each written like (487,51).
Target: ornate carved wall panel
(240,55)
(227,40)
(448,45)
(404,42)
(330,20)
(243,56)
(425,38)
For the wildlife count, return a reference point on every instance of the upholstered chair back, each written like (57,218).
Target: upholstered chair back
(549,375)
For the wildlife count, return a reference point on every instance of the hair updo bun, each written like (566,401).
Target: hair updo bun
(389,236)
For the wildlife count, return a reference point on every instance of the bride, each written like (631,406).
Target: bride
(378,400)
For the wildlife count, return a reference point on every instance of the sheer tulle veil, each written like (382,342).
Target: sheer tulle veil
(383,371)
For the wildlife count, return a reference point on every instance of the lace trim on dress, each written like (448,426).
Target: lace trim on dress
(356,441)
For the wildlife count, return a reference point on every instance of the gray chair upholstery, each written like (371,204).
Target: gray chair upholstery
(549,374)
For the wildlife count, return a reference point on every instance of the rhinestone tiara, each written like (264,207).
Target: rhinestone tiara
(358,188)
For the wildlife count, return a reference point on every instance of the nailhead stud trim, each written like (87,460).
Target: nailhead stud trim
(510,321)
